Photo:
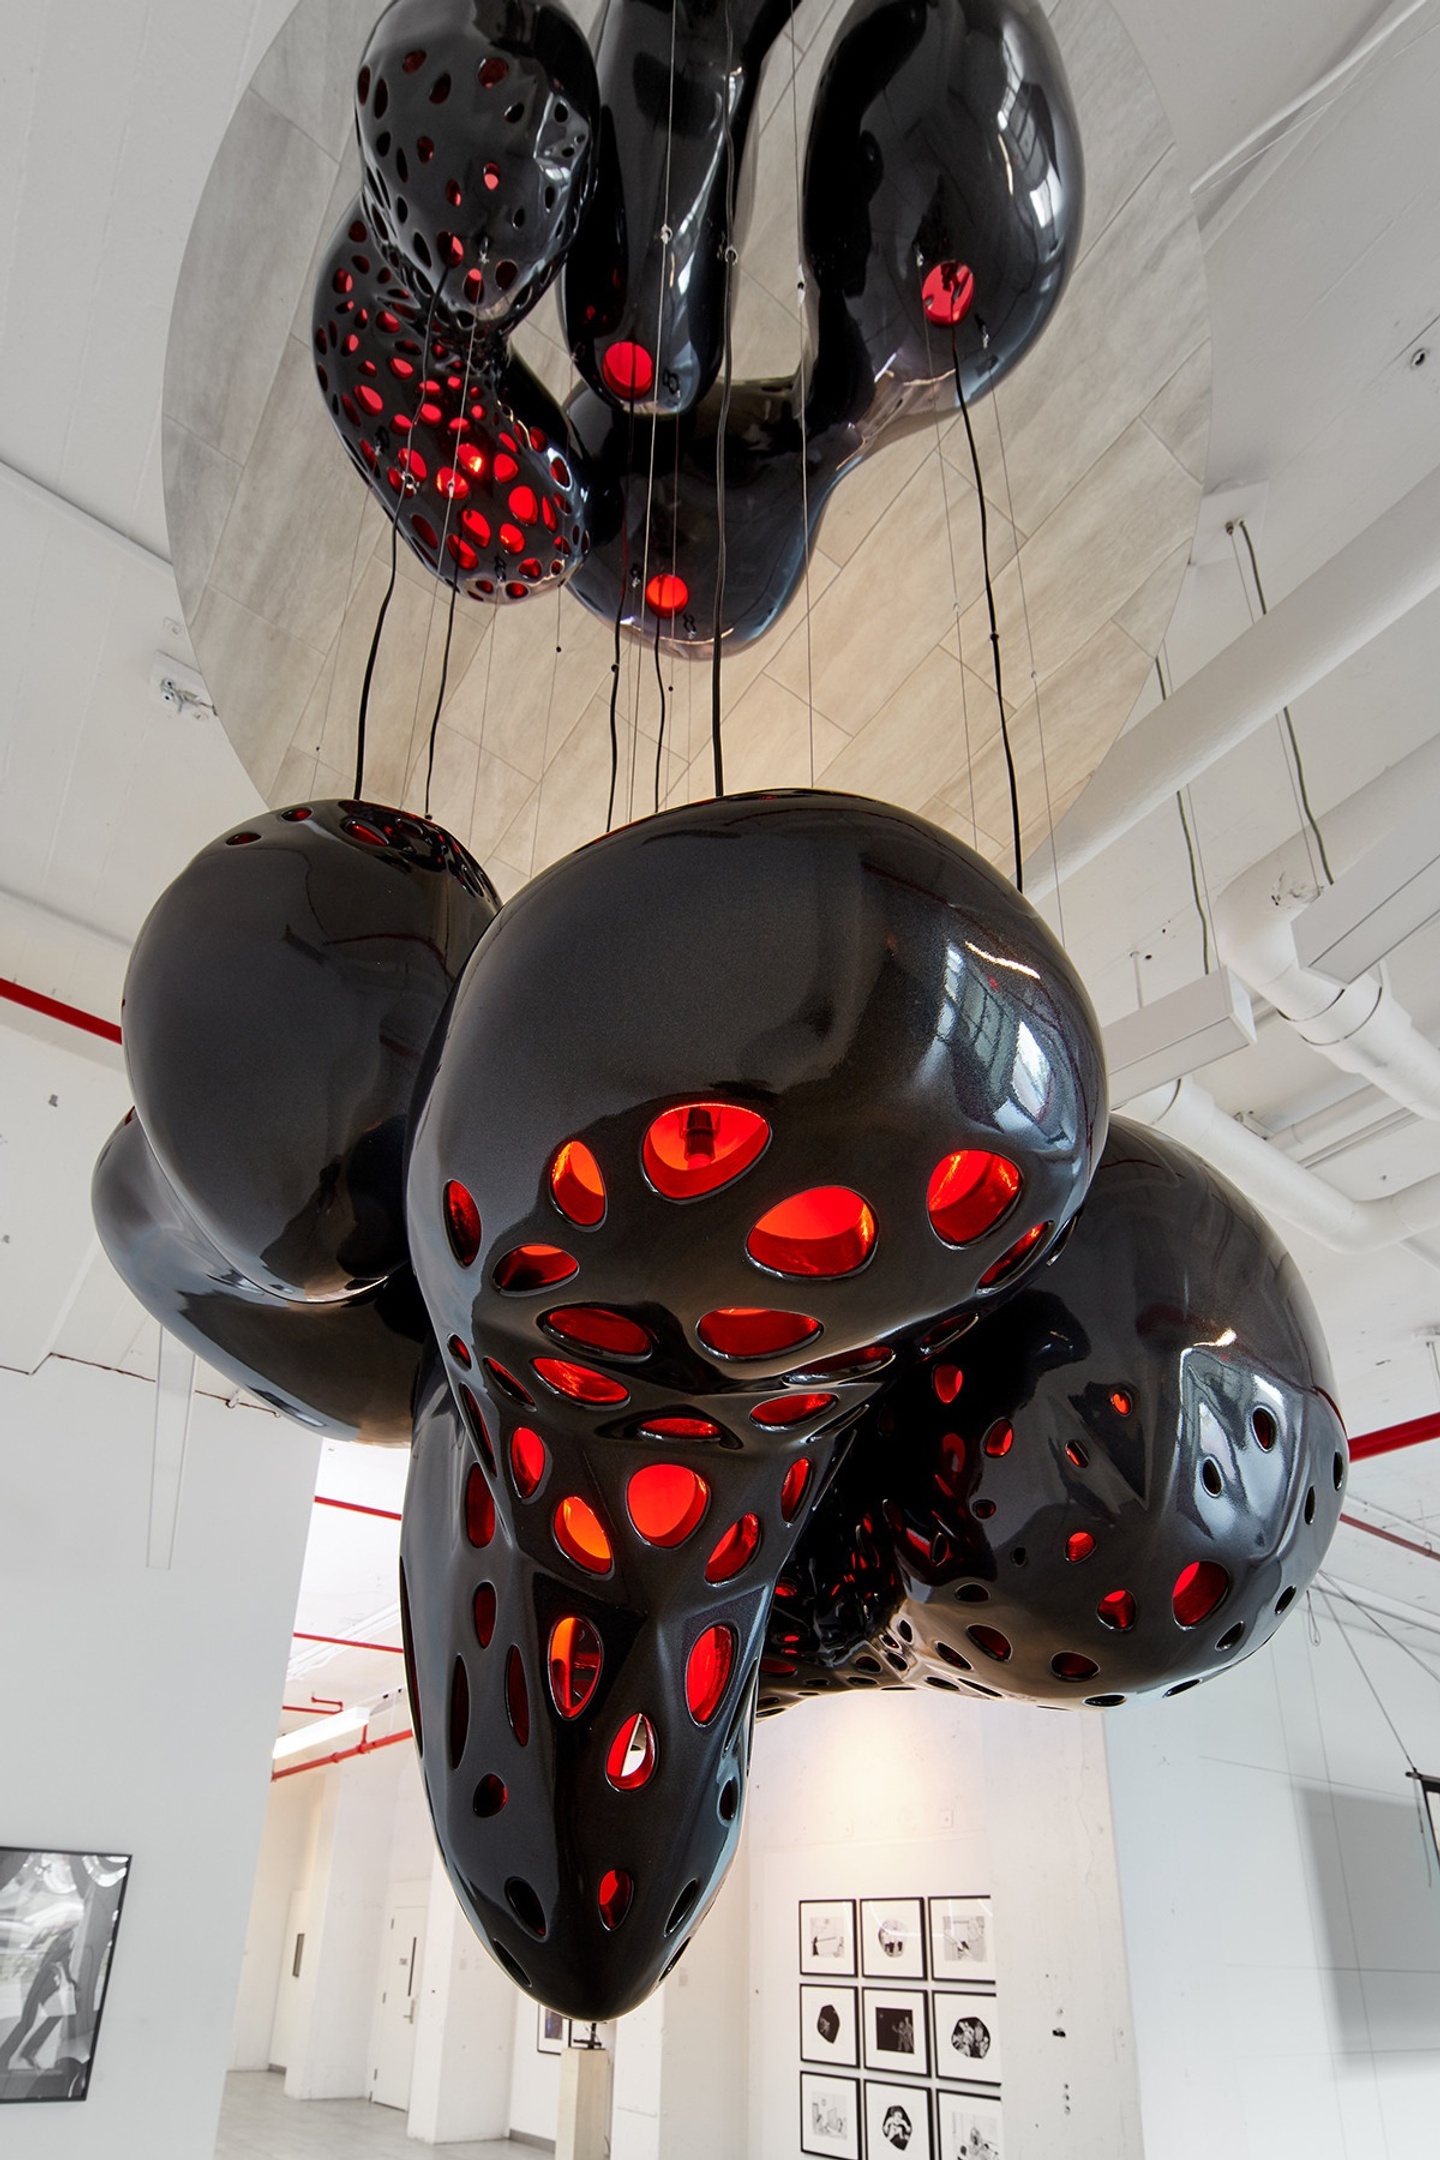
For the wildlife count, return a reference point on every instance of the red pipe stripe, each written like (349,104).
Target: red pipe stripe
(310,1709)
(1390,1437)
(322,1762)
(57,1009)
(353,1507)
(348,1642)
(1426,1552)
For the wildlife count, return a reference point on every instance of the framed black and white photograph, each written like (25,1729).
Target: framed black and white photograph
(549,2031)
(892,1938)
(58,1915)
(827,1937)
(967,2128)
(962,1939)
(828,2029)
(895,2035)
(897,2120)
(829,2116)
(967,2037)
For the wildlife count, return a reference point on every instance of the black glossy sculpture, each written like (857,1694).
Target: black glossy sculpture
(279,1004)
(646,281)
(460,442)
(477,122)
(1117,1482)
(348,1368)
(781,1081)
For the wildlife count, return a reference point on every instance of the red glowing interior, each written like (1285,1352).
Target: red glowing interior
(613,1897)
(666,1502)
(1121,1403)
(678,1426)
(948,293)
(459,1351)
(627,369)
(707,1670)
(1000,1438)
(783,1410)
(484,1610)
(793,1490)
(736,1549)
(582,1536)
(754,1331)
(666,594)
(574,1664)
(698,1147)
(477,1425)
(517,1696)
(968,1193)
(1079,1545)
(579,1382)
(462,1223)
(577,1186)
(991,1641)
(828,1230)
(479,1508)
(1198,1590)
(1010,1261)
(595,1327)
(1117,1610)
(948,1381)
(533,1267)
(631,1760)
(528,1460)
(1070,1665)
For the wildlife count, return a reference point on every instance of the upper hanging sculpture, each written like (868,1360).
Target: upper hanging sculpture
(940,218)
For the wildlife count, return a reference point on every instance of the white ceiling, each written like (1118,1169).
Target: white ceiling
(1323,276)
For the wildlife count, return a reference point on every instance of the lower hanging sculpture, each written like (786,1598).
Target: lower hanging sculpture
(779,1333)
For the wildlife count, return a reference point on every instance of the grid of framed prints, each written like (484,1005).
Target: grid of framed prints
(900,2035)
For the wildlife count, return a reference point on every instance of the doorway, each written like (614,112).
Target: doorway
(402,1957)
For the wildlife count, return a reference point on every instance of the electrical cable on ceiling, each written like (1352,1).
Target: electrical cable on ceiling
(1034,672)
(1243,529)
(990,606)
(664,237)
(1189,845)
(716,753)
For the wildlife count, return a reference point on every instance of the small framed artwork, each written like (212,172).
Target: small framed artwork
(828,2032)
(827,1937)
(829,2116)
(895,2036)
(59,1912)
(585,2033)
(549,2031)
(967,2128)
(967,2037)
(892,1938)
(962,1939)
(897,2120)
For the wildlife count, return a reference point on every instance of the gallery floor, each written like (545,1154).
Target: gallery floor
(257,2122)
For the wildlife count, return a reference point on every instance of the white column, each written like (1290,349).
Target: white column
(349,1880)
(464,2031)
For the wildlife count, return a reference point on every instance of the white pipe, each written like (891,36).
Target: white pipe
(1279,1185)
(1373,581)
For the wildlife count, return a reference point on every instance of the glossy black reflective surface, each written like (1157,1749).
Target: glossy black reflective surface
(1119,1481)
(348,1368)
(449,428)
(645,282)
(279,1003)
(477,122)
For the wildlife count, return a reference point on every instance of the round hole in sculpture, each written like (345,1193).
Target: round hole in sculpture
(948,293)
(476,1422)
(1232,1636)
(1199,1588)
(947,1381)
(482,1607)
(1079,1545)
(1117,1610)
(785,1410)
(754,1331)
(630,1762)
(459,1351)
(628,370)
(1310,1505)
(735,1550)
(1072,1665)
(992,1642)
(969,1191)
(729,1802)
(1212,1477)
(533,1267)
(827,1231)
(667,594)
(793,1489)
(679,1425)
(684,1905)
(573,1661)
(462,1223)
(1264,1427)
(526,1906)
(528,1460)
(479,1508)
(576,1184)
(666,1502)
(595,1327)
(707,1671)
(1000,1438)
(506,1382)
(582,1537)
(490,1796)
(581,1383)
(459,1725)
(1018,1253)
(697,1147)
(615,1893)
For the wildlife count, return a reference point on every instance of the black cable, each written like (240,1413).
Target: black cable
(374,652)
(1244,531)
(660,738)
(716,752)
(1189,845)
(619,619)
(990,605)
(440,696)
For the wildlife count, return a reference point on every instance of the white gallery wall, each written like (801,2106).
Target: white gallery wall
(141,1716)
(1282,1902)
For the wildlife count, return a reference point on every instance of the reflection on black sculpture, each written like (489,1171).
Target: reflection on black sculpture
(940,216)
(770,1329)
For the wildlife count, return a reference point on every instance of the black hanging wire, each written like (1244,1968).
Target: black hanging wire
(454,586)
(1244,531)
(674,556)
(660,737)
(619,619)
(1189,843)
(440,697)
(990,606)
(716,751)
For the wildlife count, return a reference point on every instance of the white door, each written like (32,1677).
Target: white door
(285,2035)
(401,1957)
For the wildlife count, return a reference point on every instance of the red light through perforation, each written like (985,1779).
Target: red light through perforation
(627,369)
(678,1426)
(462,1223)
(1079,1545)
(793,1490)
(948,293)
(698,1147)
(574,1662)
(746,1331)
(631,1760)
(1117,1610)
(528,1460)
(948,1381)
(484,1612)
(666,594)
(577,1185)
(1199,1588)
(595,1327)
(735,1550)
(533,1267)
(666,1502)
(968,1193)
(517,1696)
(581,1535)
(579,1382)
(1070,1665)
(1010,1261)
(614,1895)
(707,1671)
(507,1383)
(991,1641)
(827,1231)
(783,1410)
(479,1508)
(1000,1438)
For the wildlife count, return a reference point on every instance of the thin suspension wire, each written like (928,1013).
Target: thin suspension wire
(439,695)
(954,596)
(454,583)
(1310,818)
(1189,843)
(545,742)
(1034,675)
(1330,1590)
(990,606)
(619,619)
(664,237)
(804,393)
(716,751)
(400,494)
(660,736)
